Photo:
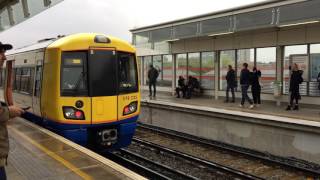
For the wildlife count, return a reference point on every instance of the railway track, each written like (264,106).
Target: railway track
(156,162)
(257,164)
(146,167)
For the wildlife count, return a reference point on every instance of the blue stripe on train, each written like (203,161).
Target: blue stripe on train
(79,132)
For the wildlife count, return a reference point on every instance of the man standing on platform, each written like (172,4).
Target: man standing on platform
(231,83)
(152,76)
(6,113)
(245,83)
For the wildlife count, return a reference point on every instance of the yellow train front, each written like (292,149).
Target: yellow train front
(90,90)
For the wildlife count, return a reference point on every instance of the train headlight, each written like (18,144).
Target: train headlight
(72,113)
(131,108)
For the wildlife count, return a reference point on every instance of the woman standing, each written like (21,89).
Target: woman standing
(295,80)
(255,86)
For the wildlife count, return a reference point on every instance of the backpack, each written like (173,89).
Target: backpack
(301,78)
(251,78)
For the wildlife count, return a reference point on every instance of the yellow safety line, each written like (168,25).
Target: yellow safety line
(54,156)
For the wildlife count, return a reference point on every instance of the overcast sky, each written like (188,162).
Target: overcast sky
(114,17)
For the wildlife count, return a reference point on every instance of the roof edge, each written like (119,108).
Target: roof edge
(230,10)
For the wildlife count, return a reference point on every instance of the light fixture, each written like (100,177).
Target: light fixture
(219,34)
(172,40)
(296,24)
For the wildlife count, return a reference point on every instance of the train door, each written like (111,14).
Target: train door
(128,85)
(102,81)
(37,88)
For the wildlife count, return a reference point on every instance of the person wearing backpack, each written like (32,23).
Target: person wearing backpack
(153,74)
(255,86)
(295,81)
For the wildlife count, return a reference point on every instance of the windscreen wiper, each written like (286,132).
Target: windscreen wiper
(80,78)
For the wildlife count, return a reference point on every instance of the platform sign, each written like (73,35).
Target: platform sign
(303,61)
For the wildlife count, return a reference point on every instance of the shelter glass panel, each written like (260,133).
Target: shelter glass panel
(244,56)
(4,20)
(186,30)
(142,40)
(147,61)
(181,66)
(53,2)
(255,19)
(17,11)
(161,47)
(314,83)
(266,63)
(226,58)
(161,34)
(194,65)
(35,7)
(295,54)
(304,11)
(217,25)
(167,70)
(207,70)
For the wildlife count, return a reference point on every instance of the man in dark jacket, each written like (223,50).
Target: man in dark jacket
(5,114)
(192,84)
(231,83)
(245,83)
(152,76)
(181,87)
(255,86)
(295,81)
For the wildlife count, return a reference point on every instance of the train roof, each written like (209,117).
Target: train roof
(78,41)
(32,47)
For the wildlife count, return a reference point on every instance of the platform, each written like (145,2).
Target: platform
(36,153)
(306,112)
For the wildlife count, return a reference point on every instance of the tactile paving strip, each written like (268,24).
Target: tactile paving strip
(29,166)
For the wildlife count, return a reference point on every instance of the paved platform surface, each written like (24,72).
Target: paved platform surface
(306,112)
(36,153)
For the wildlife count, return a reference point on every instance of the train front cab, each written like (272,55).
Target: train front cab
(97,91)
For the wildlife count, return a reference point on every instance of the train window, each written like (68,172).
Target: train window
(25,79)
(102,69)
(37,85)
(17,84)
(73,74)
(127,73)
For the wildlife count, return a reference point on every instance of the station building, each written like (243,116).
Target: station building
(269,35)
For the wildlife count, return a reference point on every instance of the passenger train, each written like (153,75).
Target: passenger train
(83,86)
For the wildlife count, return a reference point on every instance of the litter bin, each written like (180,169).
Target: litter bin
(277,91)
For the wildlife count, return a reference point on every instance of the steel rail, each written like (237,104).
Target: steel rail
(209,164)
(176,173)
(256,155)
(144,171)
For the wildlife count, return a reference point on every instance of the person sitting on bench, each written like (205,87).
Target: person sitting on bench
(181,87)
(193,83)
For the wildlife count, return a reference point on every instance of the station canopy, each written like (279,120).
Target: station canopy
(268,14)
(13,12)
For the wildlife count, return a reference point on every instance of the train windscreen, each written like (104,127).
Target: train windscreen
(73,74)
(101,73)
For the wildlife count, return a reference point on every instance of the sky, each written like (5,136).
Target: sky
(113,17)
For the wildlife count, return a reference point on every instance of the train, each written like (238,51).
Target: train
(85,87)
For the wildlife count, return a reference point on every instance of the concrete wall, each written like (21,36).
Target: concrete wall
(279,138)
